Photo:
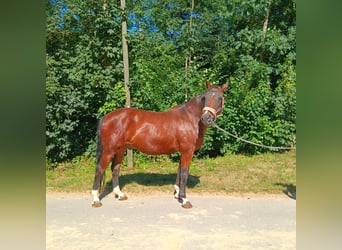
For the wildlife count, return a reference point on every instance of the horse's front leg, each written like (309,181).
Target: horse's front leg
(183,178)
(116,163)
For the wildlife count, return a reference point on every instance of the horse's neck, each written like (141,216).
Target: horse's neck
(201,132)
(194,110)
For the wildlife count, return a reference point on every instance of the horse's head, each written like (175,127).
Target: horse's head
(213,101)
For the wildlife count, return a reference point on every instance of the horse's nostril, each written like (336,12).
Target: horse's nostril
(207,119)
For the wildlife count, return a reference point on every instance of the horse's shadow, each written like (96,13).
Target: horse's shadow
(290,190)
(148,179)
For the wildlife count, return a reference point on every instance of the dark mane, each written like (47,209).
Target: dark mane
(183,105)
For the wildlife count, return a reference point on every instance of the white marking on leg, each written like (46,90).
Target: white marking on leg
(184,201)
(176,191)
(95,194)
(118,192)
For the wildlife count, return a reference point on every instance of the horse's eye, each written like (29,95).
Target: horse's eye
(203,99)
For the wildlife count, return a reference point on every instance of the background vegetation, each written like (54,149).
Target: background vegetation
(174,46)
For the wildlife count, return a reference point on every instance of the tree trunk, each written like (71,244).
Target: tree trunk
(188,56)
(126,71)
(265,25)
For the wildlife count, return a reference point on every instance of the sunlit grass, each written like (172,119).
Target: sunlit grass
(270,173)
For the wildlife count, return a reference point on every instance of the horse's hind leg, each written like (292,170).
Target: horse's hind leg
(116,163)
(177,184)
(101,166)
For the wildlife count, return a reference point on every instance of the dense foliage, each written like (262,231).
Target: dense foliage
(173,49)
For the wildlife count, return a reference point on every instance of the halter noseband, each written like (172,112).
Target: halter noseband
(211,110)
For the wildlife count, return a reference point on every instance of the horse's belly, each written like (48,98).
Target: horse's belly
(156,152)
(154,146)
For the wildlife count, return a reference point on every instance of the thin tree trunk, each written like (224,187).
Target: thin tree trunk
(265,25)
(126,71)
(104,6)
(188,56)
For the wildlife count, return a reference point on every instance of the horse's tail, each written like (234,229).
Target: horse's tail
(100,152)
(99,141)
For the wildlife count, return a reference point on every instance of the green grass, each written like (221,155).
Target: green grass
(270,173)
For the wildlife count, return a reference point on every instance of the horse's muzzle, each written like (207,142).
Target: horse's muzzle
(208,116)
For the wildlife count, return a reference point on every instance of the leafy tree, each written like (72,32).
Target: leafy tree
(83,66)
(174,46)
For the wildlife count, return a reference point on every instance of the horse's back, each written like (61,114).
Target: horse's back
(147,131)
(136,117)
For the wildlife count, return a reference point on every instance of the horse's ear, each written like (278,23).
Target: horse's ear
(224,87)
(207,84)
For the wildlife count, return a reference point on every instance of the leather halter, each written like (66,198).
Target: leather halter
(211,110)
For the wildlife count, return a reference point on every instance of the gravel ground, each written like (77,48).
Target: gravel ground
(159,222)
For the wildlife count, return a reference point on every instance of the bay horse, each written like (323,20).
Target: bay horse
(180,129)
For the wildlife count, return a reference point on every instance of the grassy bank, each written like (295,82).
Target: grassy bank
(271,173)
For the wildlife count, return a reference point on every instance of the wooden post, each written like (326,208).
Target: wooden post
(126,71)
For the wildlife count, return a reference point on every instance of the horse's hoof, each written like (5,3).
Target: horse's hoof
(96,204)
(121,198)
(175,194)
(187,205)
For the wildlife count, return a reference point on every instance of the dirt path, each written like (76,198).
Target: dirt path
(159,222)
